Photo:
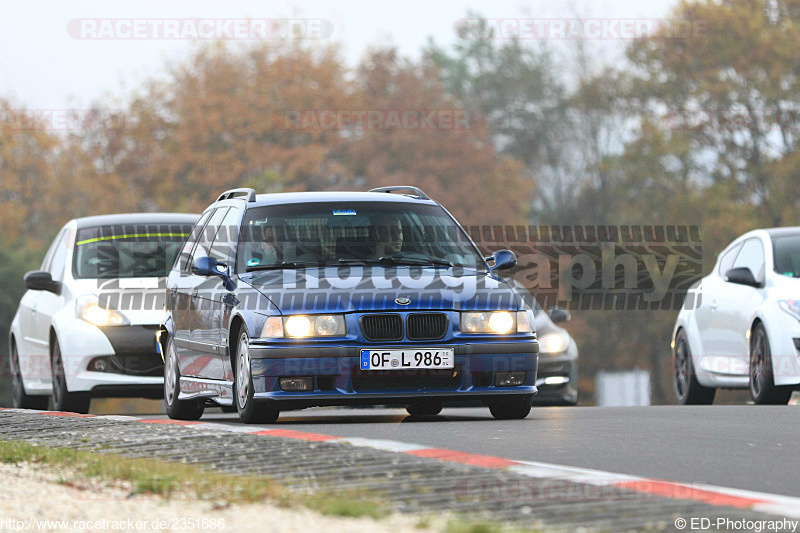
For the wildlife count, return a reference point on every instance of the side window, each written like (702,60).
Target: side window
(186,250)
(203,247)
(752,257)
(726,263)
(48,258)
(224,247)
(59,260)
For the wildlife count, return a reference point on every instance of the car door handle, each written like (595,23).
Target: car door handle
(172,296)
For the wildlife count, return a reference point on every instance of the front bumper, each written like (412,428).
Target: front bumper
(338,379)
(785,347)
(109,384)
(557,381)
(133,367)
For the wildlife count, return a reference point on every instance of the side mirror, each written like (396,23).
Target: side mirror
(503,260)
(742,276)
(208,266)
(39,280)
(558,315)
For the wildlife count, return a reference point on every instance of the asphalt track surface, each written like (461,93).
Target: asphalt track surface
(743,447)
(414,464)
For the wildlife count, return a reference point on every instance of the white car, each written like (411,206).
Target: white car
(86,326)
(557,375)
(740,325)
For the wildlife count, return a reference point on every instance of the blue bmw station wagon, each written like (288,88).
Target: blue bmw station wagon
(293,300)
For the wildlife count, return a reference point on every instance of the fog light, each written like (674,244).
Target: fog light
(98,365)
(297,384)
(509,379)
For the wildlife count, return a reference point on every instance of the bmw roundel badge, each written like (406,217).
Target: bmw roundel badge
(402,301)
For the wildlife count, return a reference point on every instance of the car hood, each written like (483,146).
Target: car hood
(781,287)
(335,290)
(141,300)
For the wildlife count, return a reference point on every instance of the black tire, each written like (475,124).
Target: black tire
(763,390)
(177,409)
(21,399)
(511,407)
(63,399)
(427,408)
(688,390)
(250,411)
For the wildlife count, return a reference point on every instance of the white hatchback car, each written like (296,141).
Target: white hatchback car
(740,326)
(86,326)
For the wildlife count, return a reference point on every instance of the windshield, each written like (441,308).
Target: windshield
(336,233)
(787,255)
(129,251)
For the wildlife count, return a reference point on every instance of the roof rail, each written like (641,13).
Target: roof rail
(419,193)
(249,195)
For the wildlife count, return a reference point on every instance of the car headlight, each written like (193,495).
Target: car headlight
(791,306)
(88,308)
(525,321)
(554,342)
(302,326)
(497,322)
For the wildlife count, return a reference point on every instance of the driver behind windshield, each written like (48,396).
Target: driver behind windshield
(261,248)
(320,233)
(388,235)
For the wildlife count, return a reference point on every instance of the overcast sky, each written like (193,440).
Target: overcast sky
(44,66)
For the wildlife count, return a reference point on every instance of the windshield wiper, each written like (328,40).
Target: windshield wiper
(397,261)
(280,266)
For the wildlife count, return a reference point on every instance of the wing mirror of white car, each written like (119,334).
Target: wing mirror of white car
(39,280)
(558,314)
(742,276)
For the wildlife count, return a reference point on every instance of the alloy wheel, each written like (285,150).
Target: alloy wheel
(170,375)
(17,389)
(757,366)
(681,369)
(243,371)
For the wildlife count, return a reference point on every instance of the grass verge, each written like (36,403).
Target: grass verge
(167,479)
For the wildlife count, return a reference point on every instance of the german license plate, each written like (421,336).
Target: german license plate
(380,359)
